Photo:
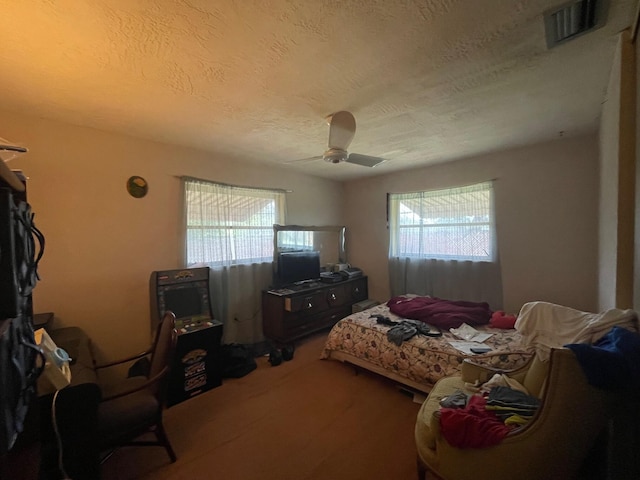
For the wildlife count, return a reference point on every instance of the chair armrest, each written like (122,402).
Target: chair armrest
(155,379)
(123,360)
(434,430)
(473,372)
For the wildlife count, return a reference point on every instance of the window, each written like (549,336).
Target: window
(227,225)
(450,224)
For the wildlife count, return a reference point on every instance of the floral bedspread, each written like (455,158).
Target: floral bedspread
(421,359)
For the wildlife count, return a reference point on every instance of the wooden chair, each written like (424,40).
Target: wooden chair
(134,406)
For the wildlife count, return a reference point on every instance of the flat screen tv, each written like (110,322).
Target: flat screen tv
(294,267)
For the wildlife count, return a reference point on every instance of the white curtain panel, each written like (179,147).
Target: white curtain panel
(236,296)
(443,244)
(230,229)
(447,279)
(228,225)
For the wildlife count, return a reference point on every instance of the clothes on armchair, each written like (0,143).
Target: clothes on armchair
(613,362)
(472,426)
(500,379)
(479,421)
(506,402)
(457,399)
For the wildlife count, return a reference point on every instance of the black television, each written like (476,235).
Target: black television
(296,267)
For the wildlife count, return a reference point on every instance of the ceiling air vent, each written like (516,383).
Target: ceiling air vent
(573,19)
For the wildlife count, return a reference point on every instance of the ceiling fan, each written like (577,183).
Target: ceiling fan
(342,128)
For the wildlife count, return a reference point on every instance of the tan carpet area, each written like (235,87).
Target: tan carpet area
(306,419)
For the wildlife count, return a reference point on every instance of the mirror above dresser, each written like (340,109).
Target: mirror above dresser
(328,241)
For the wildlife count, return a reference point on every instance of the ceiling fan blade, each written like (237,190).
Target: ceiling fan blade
(364,160)
(342,128)
(305,160)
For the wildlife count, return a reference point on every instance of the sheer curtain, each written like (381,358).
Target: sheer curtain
(443,244)
(230,229)
(448,279)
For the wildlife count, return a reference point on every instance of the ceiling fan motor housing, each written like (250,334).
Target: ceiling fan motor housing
(335,155)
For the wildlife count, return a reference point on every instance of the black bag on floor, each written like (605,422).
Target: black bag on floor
(236,360)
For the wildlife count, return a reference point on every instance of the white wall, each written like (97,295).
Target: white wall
(546,213)
(102,244)
(608,203)
(617,182)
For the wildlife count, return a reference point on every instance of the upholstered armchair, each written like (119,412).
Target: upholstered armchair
(552,445)
(134,406)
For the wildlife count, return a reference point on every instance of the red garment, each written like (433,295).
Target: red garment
(441,313)
(502,320)
(472,426)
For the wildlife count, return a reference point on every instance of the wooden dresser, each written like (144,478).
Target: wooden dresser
(289,314)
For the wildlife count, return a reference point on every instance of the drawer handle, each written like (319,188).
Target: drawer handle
(309,304)
(333,296)
(356,290)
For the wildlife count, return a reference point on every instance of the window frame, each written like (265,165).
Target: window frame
(228,227)
(422,198)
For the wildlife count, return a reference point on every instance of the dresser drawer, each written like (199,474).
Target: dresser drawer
(300,326)
(293,314)
(310,303)
(358,290)
(338,296)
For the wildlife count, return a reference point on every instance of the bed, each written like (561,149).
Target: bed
(420,361)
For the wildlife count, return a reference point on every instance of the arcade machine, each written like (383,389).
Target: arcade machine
(196,367)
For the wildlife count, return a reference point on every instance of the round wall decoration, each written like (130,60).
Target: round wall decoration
(137,187)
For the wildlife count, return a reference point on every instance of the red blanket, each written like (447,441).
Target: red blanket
(441,313)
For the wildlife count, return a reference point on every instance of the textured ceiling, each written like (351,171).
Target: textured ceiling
(427,80)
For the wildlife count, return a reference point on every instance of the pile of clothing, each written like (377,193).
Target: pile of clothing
(484,418)
(612,362)
(545,325)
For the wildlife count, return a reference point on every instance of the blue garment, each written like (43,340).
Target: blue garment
(613,362)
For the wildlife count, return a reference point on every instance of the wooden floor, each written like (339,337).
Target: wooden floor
(306,419)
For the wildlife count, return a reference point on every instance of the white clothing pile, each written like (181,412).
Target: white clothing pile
(546,325)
